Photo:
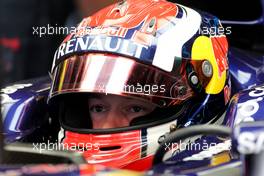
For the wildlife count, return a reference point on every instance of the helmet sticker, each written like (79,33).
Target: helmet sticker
(205,48)
(153,36)
(170,44)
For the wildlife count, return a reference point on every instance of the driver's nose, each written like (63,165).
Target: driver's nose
(114,119)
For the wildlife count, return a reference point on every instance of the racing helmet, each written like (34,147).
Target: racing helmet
(149,50)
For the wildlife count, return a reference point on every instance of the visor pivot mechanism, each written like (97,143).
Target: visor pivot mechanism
(194,79)
(195,82)
(207,69)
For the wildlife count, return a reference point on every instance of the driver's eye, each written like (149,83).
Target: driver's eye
(97,108)
(135,109)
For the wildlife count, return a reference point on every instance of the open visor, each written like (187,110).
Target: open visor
(111,74)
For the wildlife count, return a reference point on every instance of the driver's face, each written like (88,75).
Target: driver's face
(109,111)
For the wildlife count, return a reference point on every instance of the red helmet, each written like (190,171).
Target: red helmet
(149,50)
